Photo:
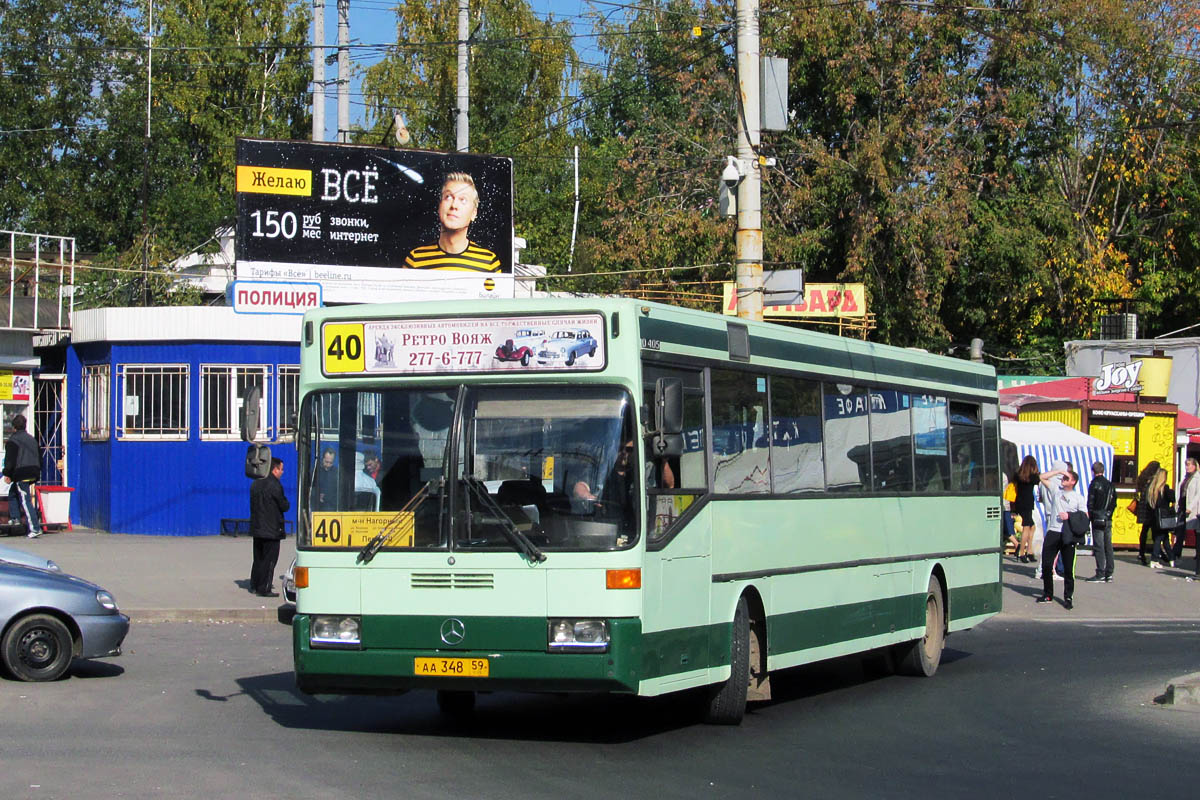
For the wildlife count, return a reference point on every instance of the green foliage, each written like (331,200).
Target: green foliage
(75,70)
(997,169)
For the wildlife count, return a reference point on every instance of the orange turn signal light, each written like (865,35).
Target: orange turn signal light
(623,578)
(300,577)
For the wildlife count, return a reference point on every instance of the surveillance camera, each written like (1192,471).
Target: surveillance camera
(731,174)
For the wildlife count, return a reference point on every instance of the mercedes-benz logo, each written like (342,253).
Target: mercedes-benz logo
(453,631)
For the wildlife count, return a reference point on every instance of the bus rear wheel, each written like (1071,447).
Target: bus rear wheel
(922,656)
(727,702)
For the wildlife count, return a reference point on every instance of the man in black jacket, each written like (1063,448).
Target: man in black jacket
(267,504)
(1101,502)
(23,466)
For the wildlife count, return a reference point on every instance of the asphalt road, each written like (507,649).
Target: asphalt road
(1019,708)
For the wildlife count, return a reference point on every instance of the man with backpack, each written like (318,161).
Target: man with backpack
(1101,502)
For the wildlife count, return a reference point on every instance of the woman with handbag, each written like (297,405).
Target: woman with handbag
(1189,509)
(1142,508)
(1161,499)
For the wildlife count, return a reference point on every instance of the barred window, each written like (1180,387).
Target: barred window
(96,379)
(154,401)
(289,397)
(222,389)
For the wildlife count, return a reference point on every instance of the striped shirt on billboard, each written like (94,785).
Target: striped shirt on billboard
(473,259)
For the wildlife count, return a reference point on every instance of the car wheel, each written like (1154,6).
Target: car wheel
(571,360)
(525,360)
(592,353)
(37,648)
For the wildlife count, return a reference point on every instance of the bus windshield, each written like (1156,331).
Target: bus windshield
(557,464)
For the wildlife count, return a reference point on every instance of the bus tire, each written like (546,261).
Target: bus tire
(921,657)
(727,701)
(456,703)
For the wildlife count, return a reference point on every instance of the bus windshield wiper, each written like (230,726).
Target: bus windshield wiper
(519,540)
(395,527)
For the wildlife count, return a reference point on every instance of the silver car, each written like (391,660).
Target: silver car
(287,610)
(47,618)
(14,556)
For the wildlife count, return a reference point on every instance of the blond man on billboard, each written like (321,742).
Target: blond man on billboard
(457,209)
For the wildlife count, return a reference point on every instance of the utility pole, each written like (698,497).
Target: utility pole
(749,198)
(146,157)
(463,120)
(318,78)
(343,64)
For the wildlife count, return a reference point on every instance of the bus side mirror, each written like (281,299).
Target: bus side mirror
(258,456)
(258,461)
(668,406)
(249,420)
(668,418)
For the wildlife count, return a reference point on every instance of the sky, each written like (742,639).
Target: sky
(373,22)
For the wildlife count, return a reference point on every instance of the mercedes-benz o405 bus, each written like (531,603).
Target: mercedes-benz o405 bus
(655,500)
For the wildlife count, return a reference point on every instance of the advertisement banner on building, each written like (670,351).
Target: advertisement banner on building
(15,384)
(373,224)
(820,300)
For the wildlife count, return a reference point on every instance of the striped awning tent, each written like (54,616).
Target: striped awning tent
(1049,442)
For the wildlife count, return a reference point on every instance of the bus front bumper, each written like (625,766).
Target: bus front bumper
(388,670)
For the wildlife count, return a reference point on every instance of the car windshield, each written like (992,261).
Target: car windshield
(548,466)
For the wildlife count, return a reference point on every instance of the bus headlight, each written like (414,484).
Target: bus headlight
(577,635)
(335,632)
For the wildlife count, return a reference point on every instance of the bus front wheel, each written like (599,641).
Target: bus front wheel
(922,656)
(727,701)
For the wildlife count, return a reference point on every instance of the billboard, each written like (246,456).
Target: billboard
(374,223)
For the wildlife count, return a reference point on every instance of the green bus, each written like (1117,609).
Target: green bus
(609,495)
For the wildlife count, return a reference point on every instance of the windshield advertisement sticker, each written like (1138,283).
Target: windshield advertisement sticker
(448,346)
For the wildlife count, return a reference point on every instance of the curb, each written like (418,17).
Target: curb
(212,615)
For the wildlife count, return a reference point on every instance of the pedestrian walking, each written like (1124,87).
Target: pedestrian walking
(23,467)
(1142,508)
(1063,501)
(1189,506)
(1101,503)
(1161,499)
(267,506)
(1186,501)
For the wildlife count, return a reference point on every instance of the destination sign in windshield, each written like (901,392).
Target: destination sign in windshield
(493,344)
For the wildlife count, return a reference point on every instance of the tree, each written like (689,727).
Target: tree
(519,75)
(63,66)
(658,118)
